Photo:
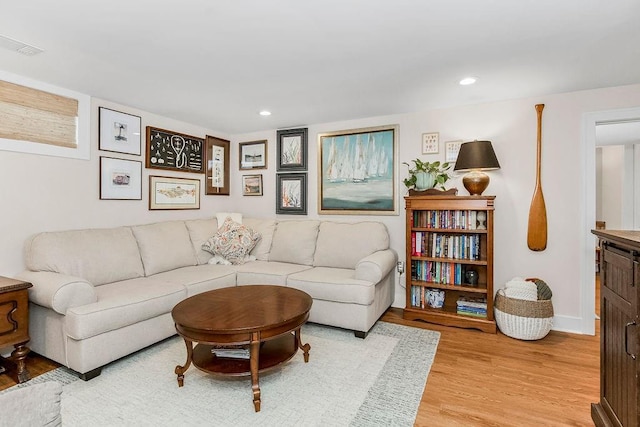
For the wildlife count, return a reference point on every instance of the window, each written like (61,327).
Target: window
(43,119)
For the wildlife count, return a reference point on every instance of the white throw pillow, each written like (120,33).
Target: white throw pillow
(222,216)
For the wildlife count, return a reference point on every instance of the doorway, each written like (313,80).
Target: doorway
(591,122)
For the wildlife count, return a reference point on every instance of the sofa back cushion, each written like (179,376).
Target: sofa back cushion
(200,230)
(164,246)
(97,255)
(266,228)
(294,242)
(342,245)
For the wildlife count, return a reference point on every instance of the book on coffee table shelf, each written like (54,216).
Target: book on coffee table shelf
(232,352)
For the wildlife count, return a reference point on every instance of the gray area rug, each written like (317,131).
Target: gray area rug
(348,381)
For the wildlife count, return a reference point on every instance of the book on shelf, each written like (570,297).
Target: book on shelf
(476,302)
(232,352)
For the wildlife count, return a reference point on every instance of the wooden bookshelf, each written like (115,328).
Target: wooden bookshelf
(444,242)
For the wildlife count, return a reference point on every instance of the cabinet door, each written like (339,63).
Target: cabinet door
(618,294)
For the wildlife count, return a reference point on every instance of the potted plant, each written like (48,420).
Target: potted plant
(426,175)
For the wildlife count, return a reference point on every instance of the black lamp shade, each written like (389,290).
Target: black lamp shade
(476,155)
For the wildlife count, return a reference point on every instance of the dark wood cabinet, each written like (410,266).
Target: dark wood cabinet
(619,365)
(14,322)
(450,251)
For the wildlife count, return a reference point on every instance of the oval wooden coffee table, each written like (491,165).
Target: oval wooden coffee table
(265,318)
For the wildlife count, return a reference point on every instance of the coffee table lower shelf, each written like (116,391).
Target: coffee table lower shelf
(272,353)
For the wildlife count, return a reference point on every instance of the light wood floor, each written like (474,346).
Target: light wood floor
(480,379)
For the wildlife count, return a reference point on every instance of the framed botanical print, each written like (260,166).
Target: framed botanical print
(292,149)
(217,172)
(253,155)
(291,193)
(358,171)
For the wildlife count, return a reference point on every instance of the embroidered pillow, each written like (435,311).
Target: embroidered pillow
(233,241)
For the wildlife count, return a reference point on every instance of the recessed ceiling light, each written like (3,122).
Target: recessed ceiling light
(468,81)
(265,113)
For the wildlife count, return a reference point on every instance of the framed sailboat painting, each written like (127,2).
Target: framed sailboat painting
(358,171)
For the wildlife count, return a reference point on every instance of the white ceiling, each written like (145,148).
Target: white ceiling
(218,63)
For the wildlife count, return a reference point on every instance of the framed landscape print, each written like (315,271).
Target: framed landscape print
(292,149)
(252,185)
(253,155)
(119,132)
(173,193)
(217,173)
(291,193)
(358,171)
(174,151)
(120,179)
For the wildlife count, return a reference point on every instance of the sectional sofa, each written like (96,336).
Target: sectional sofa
(100,294)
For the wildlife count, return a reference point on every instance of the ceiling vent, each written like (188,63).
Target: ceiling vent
(18,46)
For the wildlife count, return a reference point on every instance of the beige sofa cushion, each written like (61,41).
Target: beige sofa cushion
(342,245)
(333,284)
(164,246)
(96,255)
(122,304)
(199,231)
(266,228)
(294,242)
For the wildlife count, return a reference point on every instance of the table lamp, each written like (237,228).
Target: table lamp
(475,157)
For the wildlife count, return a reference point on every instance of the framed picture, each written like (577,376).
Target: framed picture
(120,179)
(253,155)
(173,193)
(358,171)
(292,149)
(174,151)
(119,132)
(252,185)
(291,193)
(430,143)
(217,174)
(452,148)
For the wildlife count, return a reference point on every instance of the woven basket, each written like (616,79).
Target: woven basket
(521,319)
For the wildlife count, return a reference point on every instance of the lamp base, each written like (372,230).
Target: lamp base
(475,182)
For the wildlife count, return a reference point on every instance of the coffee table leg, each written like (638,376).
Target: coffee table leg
(180,370)
(254,364)
(304,347)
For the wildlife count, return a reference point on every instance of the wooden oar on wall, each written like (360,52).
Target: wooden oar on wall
(537,232)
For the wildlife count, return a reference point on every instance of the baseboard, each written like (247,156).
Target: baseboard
(567,324)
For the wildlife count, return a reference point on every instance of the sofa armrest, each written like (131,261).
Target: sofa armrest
(376,266)
(58,292)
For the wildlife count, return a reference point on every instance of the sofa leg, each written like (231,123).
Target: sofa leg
(91,374)
(360,334)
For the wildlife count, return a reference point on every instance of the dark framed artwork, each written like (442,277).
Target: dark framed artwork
(119,132)
(358,171)
(253,155)
(174,151)
(292,149)
(173,193)
(217,173)
(252,185)
(291,193)
(120,179)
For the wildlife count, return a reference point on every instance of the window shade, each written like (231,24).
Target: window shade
(33,115)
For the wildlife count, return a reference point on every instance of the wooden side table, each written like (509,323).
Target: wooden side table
(14,321)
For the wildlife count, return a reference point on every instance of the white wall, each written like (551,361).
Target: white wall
(45,193)
(612,180)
